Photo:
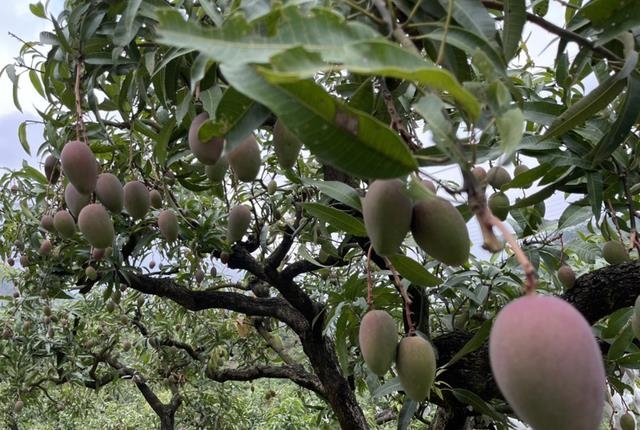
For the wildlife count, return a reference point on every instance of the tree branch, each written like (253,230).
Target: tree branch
(559,31)
(296,374)
(209,299)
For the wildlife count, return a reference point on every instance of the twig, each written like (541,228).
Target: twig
(405,298)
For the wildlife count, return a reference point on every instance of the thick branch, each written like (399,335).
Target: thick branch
(209,299)
(296,374)
(596,295)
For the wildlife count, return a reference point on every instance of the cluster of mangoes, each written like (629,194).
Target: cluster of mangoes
(414,356)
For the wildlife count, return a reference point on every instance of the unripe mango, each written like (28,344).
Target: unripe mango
(439,229)
(614,252)
(215,172)
(480,173)
(168,225)
(96,225)
(52,169)
(416,365)
(64,224)
(110,192)
(499,205)
(627,422)
(46,222)
(206,152)
(245,159)
(566,276)
(75,201)
(79,165)
(386,210)
(45,247)
(238,222)
(547,364)
(136,199)
(155,198)
(520,169)
(497,176)
(286,145)
(378,341)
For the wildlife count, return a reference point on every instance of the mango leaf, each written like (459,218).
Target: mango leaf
(469,42)
(515,16)
(242,42)
(478,339)
(391,386)
(348,139)
(628,115)
(510,125)
(372,57)
(126,27)
(594,191)
(432,109)
(351,45)
(475,401)
(472,15)
(409,407)
(616,322)
(38,10)
(574,215)
(336,218)
(593,102)
(22,137)
(620,344)
(413,271)
(338,191)
(236,117)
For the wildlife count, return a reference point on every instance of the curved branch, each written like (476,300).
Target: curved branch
(209,299)
(296,374)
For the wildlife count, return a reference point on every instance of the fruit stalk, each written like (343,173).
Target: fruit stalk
(405,298)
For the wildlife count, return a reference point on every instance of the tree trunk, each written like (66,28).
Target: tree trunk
(167,419)
(339,394)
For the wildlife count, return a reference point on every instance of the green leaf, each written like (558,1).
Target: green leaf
(628,115)
(479,338)
(409,407)
(391,386)
(574,215)
(38,10)
(336,218)
(350,140)
(373,57)
(307,44)
(22,136)
(126,27)
(413,271)
(432,109)
(593,102)
(236,117)
(594,191)
(510,125)
(470,398)
(620,344)
(515,16)
(472,15)
(338,191)
(470,43)
(242,42)
(616,322)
